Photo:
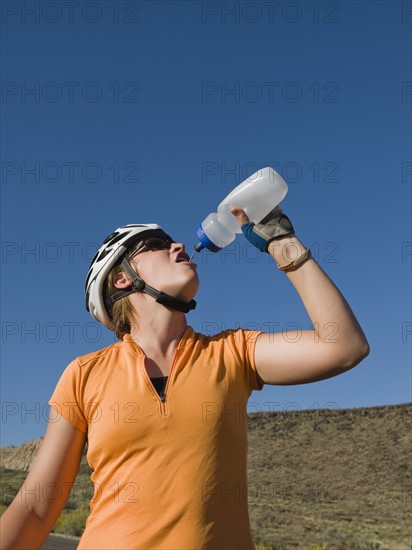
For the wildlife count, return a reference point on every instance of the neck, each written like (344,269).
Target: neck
(157,329)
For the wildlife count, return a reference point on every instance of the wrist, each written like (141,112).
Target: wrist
(286,249)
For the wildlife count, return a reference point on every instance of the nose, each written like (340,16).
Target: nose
(177,247)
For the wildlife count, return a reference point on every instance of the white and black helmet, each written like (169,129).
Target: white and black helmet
(113,252)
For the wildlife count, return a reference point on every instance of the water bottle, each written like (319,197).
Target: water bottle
(257,196)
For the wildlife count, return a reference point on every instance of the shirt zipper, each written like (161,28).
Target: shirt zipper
(163,409)
(163,403)
(162,399)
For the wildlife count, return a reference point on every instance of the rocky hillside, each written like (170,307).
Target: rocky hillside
(20,458)
(339,478)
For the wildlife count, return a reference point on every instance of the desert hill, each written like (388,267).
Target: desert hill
(20,458)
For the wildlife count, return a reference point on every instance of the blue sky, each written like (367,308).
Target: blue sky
(124,112)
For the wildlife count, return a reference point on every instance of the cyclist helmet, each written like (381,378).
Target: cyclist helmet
(113,252)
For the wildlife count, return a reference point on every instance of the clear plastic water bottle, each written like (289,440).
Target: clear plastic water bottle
(257,196)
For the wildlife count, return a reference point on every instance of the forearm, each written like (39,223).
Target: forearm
(332,318)
(33,513)
(21,528)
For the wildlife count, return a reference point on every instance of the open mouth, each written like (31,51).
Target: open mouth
(182,257)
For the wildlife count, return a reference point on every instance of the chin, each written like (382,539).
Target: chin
(186,292)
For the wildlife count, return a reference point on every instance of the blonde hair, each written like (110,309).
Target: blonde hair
(122,310)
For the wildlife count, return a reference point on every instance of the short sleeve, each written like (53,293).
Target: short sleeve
(66,399)
(243,344)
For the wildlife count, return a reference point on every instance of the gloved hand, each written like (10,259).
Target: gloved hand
(273,226)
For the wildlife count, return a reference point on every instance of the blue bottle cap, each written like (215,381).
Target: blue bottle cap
(205,242)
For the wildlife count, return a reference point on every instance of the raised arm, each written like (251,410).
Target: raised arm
(30,517)
(337,342)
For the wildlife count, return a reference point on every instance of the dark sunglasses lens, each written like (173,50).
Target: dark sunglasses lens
(156,244)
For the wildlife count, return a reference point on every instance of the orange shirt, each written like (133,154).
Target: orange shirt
(167,475)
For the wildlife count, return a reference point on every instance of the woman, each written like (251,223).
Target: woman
(163,409)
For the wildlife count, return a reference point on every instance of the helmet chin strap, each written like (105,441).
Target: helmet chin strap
(138,285)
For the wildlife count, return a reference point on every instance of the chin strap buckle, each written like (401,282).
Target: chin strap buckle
(174,303)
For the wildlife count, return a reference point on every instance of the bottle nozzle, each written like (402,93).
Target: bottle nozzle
(197,248)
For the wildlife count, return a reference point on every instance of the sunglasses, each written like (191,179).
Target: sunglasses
(150,245)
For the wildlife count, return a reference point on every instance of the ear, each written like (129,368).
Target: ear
(122,281)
